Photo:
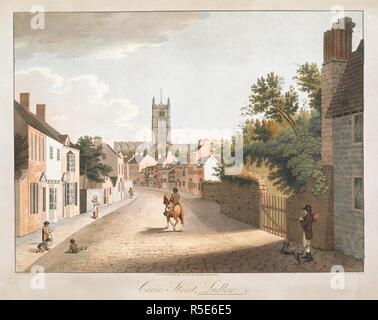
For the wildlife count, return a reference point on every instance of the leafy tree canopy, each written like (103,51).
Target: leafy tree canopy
(90,160)
(308,80)
(20,151)
(288,139)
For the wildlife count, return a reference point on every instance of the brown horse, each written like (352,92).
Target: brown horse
(176,213)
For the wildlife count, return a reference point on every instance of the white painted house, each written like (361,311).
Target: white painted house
(53,176)
(209,164)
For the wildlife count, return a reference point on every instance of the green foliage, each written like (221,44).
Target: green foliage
(267,98)
(288,139)
(261,130)
(20,151)
(90,160)
(239,179)
(308,78)
(291,158)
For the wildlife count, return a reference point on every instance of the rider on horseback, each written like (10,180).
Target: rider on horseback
(173,209)
(175,198)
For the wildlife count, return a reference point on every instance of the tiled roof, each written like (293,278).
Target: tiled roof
(349,95)
(40,125)
(131,160)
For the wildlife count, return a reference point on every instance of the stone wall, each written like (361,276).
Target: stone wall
(240,202)
(348,163)
(323,228)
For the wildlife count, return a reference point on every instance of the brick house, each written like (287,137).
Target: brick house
(342,133)
(40,185)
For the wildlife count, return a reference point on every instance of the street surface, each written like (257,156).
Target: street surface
(133,239)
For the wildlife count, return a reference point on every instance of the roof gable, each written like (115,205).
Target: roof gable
(41,126)
(348,97)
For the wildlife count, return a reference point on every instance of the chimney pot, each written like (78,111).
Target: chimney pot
(41,112)
(338,40)
(25,100)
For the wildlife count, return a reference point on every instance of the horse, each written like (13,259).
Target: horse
(176,213)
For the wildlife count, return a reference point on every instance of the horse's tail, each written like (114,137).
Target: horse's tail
(182,215)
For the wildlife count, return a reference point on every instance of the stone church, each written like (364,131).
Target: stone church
(161,128)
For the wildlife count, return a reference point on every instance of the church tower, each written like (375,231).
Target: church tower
(161,127)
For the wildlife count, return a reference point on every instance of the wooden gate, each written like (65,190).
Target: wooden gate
(273,216)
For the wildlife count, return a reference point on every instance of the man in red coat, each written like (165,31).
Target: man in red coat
(306,224)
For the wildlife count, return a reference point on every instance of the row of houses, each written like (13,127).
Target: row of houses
(186,174)
(48,185)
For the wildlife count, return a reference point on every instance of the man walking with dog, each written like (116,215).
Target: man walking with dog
(306,223)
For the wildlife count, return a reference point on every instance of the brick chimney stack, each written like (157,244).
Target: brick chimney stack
(25,100)
(97,141)
(41,112)
(337,50)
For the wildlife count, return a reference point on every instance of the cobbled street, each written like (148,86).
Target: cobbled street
(133,239)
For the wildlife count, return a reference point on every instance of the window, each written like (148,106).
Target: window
(357,128)
(358,190)
(51,152)
(70,161)
(43,149)
(31,146)
(58,154)
(35,147)
(43,199)
(33,198)
(161,113)
(52,198)
(71,194)
(38,148)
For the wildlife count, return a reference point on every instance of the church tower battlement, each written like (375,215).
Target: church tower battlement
(161,127)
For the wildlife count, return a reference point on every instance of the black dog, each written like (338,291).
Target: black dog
(288,251)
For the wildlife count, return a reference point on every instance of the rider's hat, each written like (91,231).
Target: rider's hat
(175,189)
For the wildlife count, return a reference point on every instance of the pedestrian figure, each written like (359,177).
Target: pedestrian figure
(74,248)
(306,223)
(131,193)
(95,207)
(46,238)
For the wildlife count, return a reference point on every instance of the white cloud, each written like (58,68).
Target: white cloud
(104,35)
(58,117)
(78,105)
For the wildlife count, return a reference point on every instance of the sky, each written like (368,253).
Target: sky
(97,72)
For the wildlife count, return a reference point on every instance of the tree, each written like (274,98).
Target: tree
(267,98)
(90,161)
(292,159)
(20,151)
(308,79)
(292,150)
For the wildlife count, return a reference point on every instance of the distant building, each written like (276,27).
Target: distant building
(127,147)
(161,128)
(342,133)
(115,160)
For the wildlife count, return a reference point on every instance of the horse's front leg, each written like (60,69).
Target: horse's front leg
(174,227)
